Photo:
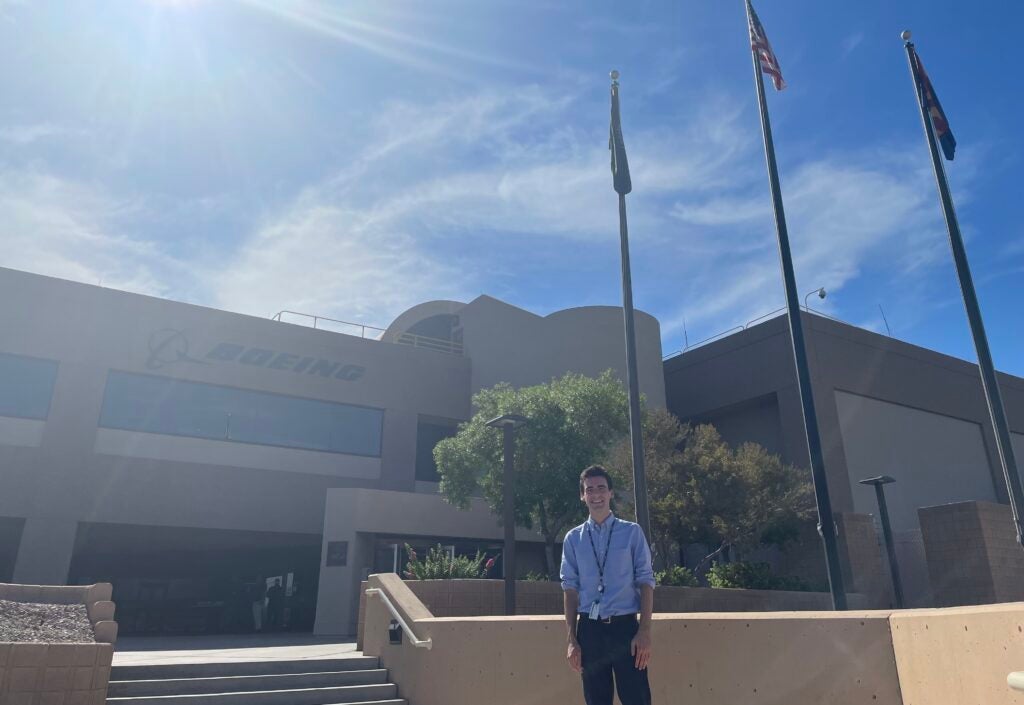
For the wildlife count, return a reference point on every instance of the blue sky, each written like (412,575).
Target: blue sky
(351,159)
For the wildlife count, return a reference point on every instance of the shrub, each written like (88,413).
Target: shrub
(536,577)
(438,565)
(752,576)
(676,576)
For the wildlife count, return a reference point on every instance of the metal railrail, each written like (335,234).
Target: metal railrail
(316,319)
(1016,680)
(452,347)
(421,643)
(747,325)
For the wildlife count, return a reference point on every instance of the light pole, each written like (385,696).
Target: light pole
(890,549)
(509,423)
(821,295)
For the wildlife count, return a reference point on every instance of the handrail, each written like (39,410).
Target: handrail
(361,326)
(452,347)
(421,643)
(1016,680)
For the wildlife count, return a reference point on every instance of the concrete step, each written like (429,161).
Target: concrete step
(238,684)
(301,696)
(224,669)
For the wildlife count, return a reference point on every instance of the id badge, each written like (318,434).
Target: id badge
(595,611)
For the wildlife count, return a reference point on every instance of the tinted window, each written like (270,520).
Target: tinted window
(26,386)
(179,408)
(429,435)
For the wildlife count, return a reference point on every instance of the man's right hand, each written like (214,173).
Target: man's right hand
(575,657)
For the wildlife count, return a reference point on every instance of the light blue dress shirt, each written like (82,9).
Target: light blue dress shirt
(627,567)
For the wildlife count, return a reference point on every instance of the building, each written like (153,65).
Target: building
(884,407)
(187,454)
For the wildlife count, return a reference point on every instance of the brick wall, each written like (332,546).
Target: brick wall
(972,553)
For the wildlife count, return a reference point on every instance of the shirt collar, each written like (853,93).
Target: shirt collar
(601,527)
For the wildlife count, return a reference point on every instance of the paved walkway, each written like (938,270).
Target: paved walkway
(151,650)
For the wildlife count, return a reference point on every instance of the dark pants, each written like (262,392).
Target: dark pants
(606,651)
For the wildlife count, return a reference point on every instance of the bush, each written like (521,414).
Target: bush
(438,565)
(752,576)
(536,577)
(676,576)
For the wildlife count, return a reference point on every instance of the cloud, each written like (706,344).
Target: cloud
(65,229)
(851,42)
(23,135)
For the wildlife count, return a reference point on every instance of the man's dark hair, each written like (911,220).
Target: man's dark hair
(595,471)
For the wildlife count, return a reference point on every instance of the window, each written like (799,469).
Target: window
(136,402)
(428,435)
(26,386)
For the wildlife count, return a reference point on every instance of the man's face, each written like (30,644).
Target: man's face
(596,494)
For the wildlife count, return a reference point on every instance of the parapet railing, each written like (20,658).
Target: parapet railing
(316,320)
(413,639)
(734,329)
(452,347)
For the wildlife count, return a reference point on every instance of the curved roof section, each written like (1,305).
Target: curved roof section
(417,313)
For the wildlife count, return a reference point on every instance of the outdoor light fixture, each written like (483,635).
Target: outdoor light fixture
(883,513)
(819,291)
(394,632)
(509,423)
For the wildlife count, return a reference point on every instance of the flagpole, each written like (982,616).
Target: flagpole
(989,382)
(636,437)
(826,523)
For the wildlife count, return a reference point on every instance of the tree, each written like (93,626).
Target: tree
(572,423)
(703,491)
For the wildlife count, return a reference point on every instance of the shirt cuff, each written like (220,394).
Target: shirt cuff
(571,585)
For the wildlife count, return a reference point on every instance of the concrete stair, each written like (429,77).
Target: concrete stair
(356,680)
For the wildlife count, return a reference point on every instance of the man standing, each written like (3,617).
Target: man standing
(606,579)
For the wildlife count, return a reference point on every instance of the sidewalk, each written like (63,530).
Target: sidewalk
(130,651)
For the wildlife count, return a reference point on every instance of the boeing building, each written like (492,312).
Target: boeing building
(193,456)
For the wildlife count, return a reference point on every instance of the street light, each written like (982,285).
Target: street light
(821,295)
(509,422)
(883,513)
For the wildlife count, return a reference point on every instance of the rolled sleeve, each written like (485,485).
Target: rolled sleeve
(643,571)
(569,571)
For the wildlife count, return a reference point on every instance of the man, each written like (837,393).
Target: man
(275,605)
(606,579)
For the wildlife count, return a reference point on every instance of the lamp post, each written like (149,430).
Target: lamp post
(509,423)
(883,512)
(821,295)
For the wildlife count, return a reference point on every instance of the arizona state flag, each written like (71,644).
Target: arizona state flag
(620,167)
(934,109)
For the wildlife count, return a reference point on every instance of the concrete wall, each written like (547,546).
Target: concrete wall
(710,659)
(918,657)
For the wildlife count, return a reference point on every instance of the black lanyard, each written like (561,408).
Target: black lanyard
(607,549)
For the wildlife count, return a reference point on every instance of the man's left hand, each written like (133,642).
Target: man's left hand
(641,648)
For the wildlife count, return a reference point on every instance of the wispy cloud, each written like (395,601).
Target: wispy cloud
(851,42)
(23,135)
(66,229)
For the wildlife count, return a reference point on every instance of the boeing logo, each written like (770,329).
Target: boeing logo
(169,346)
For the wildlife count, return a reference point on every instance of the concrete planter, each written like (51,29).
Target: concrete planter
(60,674)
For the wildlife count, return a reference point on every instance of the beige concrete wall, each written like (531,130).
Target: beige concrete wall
(706,659)
(954,656)
(959,656)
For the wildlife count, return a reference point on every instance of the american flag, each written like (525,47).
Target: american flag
(759,43)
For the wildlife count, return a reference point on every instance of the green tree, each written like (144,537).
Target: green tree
(703,491)
(572,423)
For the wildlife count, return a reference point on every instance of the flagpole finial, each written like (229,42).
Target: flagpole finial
(615,77)
(905,35)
